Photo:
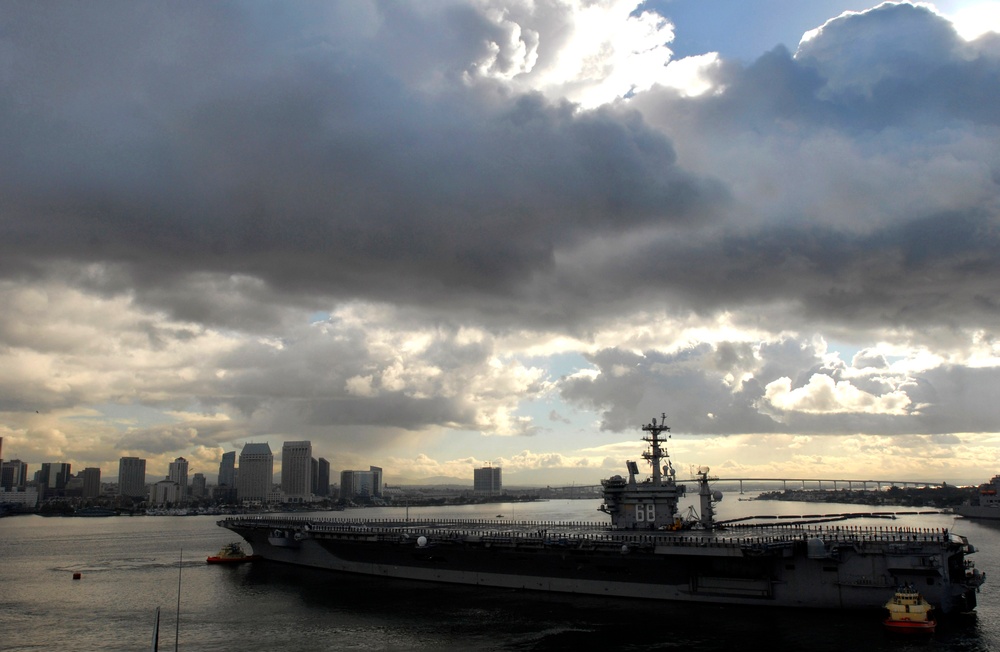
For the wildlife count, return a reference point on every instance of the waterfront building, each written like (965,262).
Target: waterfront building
(166,492)
(487,480)
(322,477)
(256,473)
(25,498)
(227,469)
(224,494)
(132,477)
(178,472)
(74,486)
(91,482)
(198,486)
(366,484)
(13,475)
(296,470)
(52,479)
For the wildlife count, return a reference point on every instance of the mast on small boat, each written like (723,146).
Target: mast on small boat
(177,625)
(156,631)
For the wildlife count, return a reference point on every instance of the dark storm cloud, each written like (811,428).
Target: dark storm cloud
(938,269)
(223,163)
(684,384)
(299,165)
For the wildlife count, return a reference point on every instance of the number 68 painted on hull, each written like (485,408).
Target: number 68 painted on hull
(645,513)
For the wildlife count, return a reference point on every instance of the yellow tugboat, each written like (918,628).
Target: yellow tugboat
(909,612)
(231,553)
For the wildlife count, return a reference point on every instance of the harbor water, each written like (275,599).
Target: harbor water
(130,566)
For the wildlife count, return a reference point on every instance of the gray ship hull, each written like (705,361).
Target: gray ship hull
(978,511)
(840,568)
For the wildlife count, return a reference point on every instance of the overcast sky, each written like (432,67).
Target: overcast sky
(430,236)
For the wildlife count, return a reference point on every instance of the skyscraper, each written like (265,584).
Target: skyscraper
(179,473)
(227,469)
(322,477)
(256,472)
(52,479)
(198,486)
(296,469)
(487,480)
(13,475)
(91,482)
(361,483)
(132,477)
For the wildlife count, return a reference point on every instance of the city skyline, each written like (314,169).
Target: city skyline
(442,236)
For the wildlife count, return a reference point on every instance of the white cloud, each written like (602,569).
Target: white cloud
(823,395)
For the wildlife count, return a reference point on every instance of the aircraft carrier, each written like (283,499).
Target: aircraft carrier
(648,550)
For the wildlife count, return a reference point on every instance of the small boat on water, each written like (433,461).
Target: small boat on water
(909,612)
(231,553)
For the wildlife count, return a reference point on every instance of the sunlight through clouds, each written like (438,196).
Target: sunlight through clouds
(974,19)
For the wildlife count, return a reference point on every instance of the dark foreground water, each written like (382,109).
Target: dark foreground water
(131,566)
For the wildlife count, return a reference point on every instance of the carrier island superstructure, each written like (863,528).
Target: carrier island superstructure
(649,550)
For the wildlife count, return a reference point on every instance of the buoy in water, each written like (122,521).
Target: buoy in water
(77,576)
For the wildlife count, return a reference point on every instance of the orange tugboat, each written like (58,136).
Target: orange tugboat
(231,553)
(909,612)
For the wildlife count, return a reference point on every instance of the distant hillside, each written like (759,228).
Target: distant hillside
(432,481)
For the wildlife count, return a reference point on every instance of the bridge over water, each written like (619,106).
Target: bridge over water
(837,484)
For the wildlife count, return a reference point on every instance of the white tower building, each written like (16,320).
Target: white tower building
(256,472)
(179,473)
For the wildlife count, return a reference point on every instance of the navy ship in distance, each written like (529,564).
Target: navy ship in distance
(985,504)
(648,550)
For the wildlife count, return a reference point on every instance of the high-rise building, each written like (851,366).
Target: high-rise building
(296,470)
(13,475)
(256,472)
(179,473)
(227,469)
(322,477)
(198,486)
(132,477)
(91,482)
(361,483)
(52,479)
(487,480)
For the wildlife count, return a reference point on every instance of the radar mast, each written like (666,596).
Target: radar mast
(655,452)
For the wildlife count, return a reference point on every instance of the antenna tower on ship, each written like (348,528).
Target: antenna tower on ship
(655,452)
